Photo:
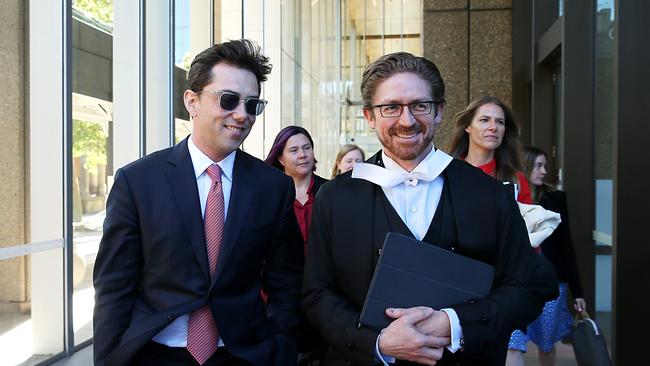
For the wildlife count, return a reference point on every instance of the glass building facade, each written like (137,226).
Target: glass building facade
(103,83)
(91,85)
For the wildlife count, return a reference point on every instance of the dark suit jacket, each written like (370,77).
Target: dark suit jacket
(318,182)
(558,248)
(349,225)
(152,264)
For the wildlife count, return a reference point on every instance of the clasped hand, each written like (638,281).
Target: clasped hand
(417,334)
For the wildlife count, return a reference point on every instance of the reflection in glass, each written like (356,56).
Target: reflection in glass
(370,29)
(604,114)
(192,34)
(604,119)
(315,94)
(92,114)
(20,344)
(182,61)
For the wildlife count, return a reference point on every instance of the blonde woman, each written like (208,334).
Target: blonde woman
(346,158)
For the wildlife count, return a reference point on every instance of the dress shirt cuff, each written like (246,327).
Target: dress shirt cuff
(385,359)
(456,330)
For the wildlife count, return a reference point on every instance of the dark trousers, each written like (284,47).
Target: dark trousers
(156,354)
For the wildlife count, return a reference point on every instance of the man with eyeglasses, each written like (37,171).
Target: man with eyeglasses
(412,188)
(195,232)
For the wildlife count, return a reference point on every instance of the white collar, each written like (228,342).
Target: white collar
(393,174)
(201,162)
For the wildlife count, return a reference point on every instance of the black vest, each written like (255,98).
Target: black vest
(442,232)
(442,229)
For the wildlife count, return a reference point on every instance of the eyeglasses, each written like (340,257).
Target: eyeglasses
(229,101)
(416,108)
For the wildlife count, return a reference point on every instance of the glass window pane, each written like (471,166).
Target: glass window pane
(370,29)
(33,333)
(412,22)
(191,36)
(321,73)
(604,118)
(290,50)
(92,114)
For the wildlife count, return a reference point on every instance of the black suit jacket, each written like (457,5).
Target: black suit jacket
(318,182)
(152,263)
(558,248)
(349,227)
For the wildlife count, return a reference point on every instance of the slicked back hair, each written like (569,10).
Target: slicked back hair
(242,53)
(401,62)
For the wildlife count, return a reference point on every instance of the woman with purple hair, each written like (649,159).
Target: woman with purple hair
(293,153)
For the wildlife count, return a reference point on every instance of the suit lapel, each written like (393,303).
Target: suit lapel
(182,180)
(442,229)
(240,201)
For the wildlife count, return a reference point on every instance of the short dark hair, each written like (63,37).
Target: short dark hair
(281,141)
(395,63)
(507,155)
(242,53)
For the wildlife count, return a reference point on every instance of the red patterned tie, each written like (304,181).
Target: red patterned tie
(202,335)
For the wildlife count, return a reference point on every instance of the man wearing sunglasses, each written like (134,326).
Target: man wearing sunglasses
(194,232)
(414,189)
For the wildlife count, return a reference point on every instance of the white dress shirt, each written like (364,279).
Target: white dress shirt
(414,196)
(175,334)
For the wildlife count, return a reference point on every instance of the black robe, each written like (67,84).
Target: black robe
(476,217)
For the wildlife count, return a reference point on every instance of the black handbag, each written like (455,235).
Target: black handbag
(589,344)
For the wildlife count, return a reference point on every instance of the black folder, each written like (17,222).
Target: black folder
(413,273)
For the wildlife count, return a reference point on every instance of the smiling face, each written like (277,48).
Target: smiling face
(538,173)
(348,160)
(407,139)
(215,131)
(487,128)
(298,156)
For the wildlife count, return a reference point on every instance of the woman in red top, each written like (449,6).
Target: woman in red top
(293,153)
(487,136)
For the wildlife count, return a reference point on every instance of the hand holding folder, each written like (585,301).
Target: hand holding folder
(412,273)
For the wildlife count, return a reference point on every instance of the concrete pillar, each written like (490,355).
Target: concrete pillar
(470,41)
(445,34)
(126,85)
(158,78)
(490,49)
(46,172)
(13,286)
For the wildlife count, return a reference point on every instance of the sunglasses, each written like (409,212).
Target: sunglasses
(229,101)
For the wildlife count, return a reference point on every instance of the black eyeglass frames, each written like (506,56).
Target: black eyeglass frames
(229,101)
(416,108)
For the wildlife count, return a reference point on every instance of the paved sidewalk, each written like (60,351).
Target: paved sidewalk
(565,356)
(83,357)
